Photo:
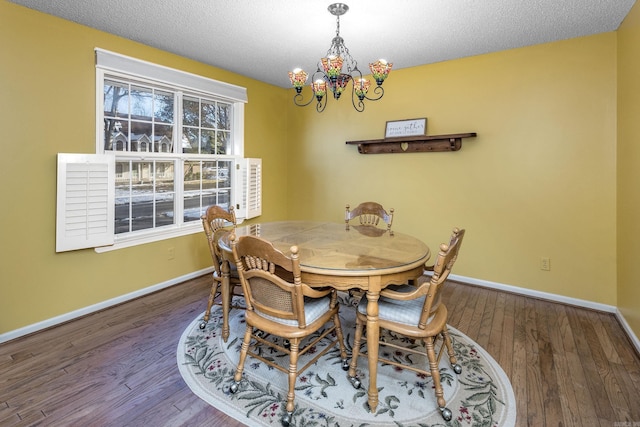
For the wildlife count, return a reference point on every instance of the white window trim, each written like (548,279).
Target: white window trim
(147,70)
(148,237)
(127,66)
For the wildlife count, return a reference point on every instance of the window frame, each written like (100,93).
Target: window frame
(113,65)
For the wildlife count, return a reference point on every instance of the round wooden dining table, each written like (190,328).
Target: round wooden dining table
(344,257)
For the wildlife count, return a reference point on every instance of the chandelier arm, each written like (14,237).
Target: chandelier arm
(297,99)
(359,105)
(377,90)
(319,74)
(321,104)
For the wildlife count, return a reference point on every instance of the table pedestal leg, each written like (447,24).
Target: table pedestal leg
(373,335)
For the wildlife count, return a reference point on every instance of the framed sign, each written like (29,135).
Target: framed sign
(409,127)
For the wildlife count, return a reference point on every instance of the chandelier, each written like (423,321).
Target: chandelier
(336,71)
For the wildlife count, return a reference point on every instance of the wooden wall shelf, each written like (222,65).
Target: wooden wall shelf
(412,144)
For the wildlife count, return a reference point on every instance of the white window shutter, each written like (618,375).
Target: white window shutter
(86,197)
(249,178)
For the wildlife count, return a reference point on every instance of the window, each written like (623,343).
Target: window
(177,144)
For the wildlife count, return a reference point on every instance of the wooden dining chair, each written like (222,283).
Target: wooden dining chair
(369,213)
(216,222)
(428,270)
(417,313)
(276,306)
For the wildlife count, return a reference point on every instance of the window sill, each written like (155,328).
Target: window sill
(155,236)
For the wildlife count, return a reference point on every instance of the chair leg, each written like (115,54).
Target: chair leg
(212,297)
(435,375)
(243,356)
(357,338)
(343,350)
(293,374)
(452,355)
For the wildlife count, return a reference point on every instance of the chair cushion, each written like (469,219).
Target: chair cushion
(314,308)
(405,312)
(410,288)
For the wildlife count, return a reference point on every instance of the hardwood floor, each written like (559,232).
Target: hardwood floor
(568,366)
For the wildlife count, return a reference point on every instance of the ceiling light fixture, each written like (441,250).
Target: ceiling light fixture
(336,70)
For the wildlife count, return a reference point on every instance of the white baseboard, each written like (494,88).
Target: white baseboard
(35,327)
(535,294)
(627,329)
(555,298)
(462,279)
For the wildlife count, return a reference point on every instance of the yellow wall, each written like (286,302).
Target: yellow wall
(539,180)
(47,105)
(628,170)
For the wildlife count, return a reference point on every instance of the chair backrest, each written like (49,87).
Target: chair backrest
(266,291)
(369,213)
(444,263)
(215,222)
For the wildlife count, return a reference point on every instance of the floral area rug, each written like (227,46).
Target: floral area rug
(480,396)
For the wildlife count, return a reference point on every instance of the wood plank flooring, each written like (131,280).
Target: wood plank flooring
(568,366)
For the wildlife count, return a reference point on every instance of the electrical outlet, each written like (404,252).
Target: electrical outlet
(545,263)
(171,253)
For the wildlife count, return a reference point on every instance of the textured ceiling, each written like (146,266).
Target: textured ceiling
(264,39)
